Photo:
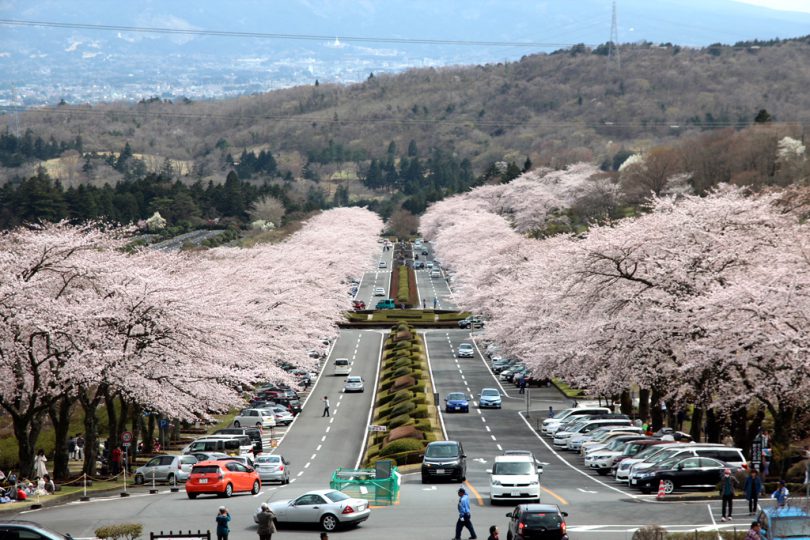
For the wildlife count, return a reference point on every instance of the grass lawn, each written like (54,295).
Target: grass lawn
(66,491)
(418,316)
(568,391)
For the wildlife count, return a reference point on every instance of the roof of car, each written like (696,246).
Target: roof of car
(539,507)
(514,458)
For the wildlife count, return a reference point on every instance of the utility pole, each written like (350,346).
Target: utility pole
(613,43)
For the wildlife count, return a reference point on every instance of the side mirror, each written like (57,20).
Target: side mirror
(680,466)
(565,514)
(489,471)
(509,514)
(464,455)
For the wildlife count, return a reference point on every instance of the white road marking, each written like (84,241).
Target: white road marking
(711,515)
(493,437)
(293,480)
(487,428)
(587,490)
(323,438)
(312,456)
(259,494)
(331,420)
(328,428)
(319,448)
(431,488)
(499,447)
(300,473)
(482,418)
(307,465)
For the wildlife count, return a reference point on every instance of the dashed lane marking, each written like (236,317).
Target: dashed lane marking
(319,448)
(499,447)
(487,428)
(323,438)
(300,473)
(493,437)
(312,457)
(307,465)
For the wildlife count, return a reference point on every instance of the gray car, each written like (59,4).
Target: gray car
(327,507)
(353,383)
(273,468)
(165,468)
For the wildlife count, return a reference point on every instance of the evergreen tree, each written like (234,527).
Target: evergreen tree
(412,150)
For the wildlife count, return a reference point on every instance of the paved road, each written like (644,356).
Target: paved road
(378,277)
(430,288)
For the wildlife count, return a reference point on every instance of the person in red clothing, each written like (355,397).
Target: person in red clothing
(115,458)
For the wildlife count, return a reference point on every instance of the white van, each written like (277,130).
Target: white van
(228,444)
(514,477)
(342,366)
(550,424)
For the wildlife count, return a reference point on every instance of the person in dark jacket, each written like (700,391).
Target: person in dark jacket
(493,533)
(223,518)
(727,485)
(752,489)
(267,523)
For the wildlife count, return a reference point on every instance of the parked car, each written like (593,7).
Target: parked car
(456,402)
(444,459)
(222,478)
(471,322)
(282,415)
(292,405)
(358,305)
(602,460)
(465,350)
(227,444)
(273,468)
(678,472)
(353,383)
(329,508)
(622,473)
(537,522)
(514,477)
(551,424)
(379,291)
(783,523)
(489,398)
(424,251)
(28,530)
(166,468)
(255,434)
(208,456)
(254,417)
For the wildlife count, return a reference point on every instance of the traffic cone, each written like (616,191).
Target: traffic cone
(661,493)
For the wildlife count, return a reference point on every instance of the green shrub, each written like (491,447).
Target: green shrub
(402,395)
(402,445)
(419,412)
(399,421)
(420,398)
(120,531)
(403,408)
(401,371)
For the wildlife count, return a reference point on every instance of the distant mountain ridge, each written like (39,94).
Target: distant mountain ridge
(130,64)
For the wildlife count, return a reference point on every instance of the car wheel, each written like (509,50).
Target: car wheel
(602,472)
(508,535)
(645,490)
(329,522)
(191,495)
(425,479)
(256,487)
(139,479)
(669,486)
(170,479)
(228,491)
(236,423)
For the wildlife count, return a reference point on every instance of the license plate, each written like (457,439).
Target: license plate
(515,494)
(203,480)
(458,408)
(634,481)
(439,471)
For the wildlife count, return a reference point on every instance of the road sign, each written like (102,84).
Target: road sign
(126,444)
(377,428)
(164,423)
(126,437)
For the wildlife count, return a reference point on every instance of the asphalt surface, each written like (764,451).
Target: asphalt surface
(316,446)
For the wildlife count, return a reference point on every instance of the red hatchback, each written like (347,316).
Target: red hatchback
(222,478)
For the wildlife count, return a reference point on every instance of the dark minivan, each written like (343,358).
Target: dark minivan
(444,459)
(253,433)
(537,522)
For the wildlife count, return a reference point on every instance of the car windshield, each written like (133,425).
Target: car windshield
(650,452)
(336,496)
(547,520)
(353,379)
(268,459)
(663,456)
(616,444)
(518,467)
(798,527)
(465,346)
(489,392)
(456,396)
(441,451)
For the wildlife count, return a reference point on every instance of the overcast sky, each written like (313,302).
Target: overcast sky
(787,5)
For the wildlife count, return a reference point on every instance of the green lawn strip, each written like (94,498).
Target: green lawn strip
(408,315)
(65,492)
(568,391)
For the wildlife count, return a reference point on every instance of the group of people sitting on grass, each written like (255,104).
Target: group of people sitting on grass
(14,490)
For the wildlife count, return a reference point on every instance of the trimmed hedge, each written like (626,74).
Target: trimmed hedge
(402,445)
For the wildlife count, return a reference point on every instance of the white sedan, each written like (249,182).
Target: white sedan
(353,383)
(379,291)
(327,507)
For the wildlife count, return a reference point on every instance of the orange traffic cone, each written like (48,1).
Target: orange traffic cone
(660,490)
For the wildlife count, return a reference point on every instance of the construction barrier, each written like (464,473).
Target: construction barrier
(364,484)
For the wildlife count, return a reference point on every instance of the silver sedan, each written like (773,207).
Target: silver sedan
(327,507)
(273,468)
(353,383)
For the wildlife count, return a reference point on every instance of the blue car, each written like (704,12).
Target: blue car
(456,402)
(489,398)
(789,522)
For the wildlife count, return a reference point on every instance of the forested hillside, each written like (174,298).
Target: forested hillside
(558,108)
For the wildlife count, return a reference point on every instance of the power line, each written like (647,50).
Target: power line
(265,35)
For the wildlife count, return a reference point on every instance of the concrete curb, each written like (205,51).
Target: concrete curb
(56,501)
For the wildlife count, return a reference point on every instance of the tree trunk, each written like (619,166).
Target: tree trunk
(60,418)
(780,441)
(90,435)
(643,404)
(123,416)
(135,428)
(149,436)
(697,423)
(26,430)
(671,418)
(712,427)
(112,417)
(626,403)
(655,412)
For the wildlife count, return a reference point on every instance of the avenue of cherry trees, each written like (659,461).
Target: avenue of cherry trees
(701,301)
(86,324)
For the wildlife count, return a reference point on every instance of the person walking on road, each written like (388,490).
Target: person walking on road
(325,406)
(464,515)
(267,523)
(727,484)
(435,302)
(324,536)
(551,411)
(223,518)
(781,494)
(753,532)
(493,533)
(752,489)
(522,383)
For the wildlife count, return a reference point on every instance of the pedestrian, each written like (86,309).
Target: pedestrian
(753,532)
(424,303)
(752,489)
(550,411)
(680,418)
(464,515)
(79,446)
(72,448)
(781,494)
(727,484)
(115,460)
(266,520)
(493,533)
(522,383)
(324,536)
(325,406)
(435,302)
(39,464)
(223,518)
(48,484)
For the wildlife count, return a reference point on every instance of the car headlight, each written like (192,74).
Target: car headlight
(496,482)
(645,475)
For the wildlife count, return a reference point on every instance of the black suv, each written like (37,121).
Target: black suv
(253,433)
(444,459)
(537,522)
(292,404)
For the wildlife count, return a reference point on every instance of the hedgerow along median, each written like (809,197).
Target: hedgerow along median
(404,403)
